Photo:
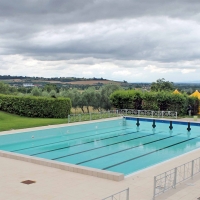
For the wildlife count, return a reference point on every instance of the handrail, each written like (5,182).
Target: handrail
(122,195)
(175,176)
(149,113)
(93,115)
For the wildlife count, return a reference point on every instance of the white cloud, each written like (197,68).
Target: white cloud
(153,68)
(186,71)
(87,73)
(122,73)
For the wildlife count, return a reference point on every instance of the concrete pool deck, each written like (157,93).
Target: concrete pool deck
(58,184)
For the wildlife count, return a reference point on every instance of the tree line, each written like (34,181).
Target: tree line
(90,97)
(113,96)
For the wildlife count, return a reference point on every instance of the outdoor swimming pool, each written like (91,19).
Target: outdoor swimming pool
(114,145)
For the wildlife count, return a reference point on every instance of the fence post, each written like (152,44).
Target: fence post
(127,194)
(199,164)
(192,171)
(154,188)
(138,112)
(90,116)
(176,115)
(79,117)
(152,113)
(162,114)
(117,113)
(175,175)
(68,118)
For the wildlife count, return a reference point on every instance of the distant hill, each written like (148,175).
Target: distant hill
(19,80)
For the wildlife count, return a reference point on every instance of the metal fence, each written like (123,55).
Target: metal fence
(117,113)
(148,113)
(93,116)
(122,195)
(173,177)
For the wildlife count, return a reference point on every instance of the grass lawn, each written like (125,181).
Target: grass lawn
(10,121)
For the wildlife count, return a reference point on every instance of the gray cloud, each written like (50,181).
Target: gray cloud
(122,32)
(158,39)
(65,11)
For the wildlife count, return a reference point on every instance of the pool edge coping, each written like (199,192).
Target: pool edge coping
(161,163)
(114,176)
(14,131)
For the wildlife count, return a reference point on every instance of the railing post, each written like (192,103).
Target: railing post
(90,116)
(154,188)
(138,113)
(199,165)
(79,117)
(192,170)
(127,194)
(165,182)
(175,176)
(162,114)
(176,115)
(117,113)
(68,118)
(152,113)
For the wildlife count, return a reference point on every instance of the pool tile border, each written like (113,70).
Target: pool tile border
(114,176)
(161,120)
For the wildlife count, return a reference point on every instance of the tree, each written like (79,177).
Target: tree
(106,91)
(81,102)
(89,96)
(48,87)
(97,101)
(4,88)
(162,85)
(36,91)
(76,99)
(53,94)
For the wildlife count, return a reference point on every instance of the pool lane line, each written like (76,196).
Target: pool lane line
(88,143)
(105,146)
(61,141)
(125,149)
(149,153)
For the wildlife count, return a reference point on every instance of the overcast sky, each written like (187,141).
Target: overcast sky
(132,40)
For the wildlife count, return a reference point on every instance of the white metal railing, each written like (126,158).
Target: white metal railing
(120,112)
(122,195)
(173,177)
(148,113)
(93,116)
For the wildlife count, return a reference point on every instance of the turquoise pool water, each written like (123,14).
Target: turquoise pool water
(114,145)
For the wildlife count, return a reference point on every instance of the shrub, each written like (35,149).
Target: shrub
(124,99)
(164,100)
(36,106)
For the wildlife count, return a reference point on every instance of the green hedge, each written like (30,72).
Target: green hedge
(36,106)
(127,99)
(133,99)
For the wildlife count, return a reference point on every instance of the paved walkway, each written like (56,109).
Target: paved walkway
(63,185)
(58,184)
